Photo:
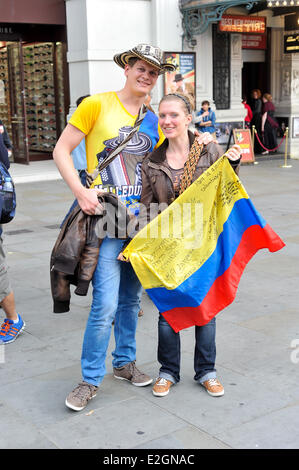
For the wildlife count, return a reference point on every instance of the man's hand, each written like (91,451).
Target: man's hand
(234,153)
(88,201)
(204,137)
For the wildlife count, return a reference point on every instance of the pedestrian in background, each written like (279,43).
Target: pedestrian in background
(79,153)
(269,124)
(248,116)
(256,121)
(205,119)
(6,139)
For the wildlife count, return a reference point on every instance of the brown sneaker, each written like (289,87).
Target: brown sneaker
(213,387)
(132,374)
(80,396)
(161,387)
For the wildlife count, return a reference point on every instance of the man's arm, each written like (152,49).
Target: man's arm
(69,139)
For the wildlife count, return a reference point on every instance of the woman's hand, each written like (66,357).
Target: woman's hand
(234,153)
(122,258)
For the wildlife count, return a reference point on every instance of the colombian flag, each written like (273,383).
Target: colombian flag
(190,258)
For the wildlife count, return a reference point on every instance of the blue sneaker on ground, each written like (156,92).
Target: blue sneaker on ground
(10,330)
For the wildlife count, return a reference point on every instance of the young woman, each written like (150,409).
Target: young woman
(161,173)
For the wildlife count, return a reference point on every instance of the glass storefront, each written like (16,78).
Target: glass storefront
(33,96)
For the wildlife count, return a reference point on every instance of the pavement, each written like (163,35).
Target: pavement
(257,342)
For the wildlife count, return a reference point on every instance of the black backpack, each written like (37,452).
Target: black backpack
(7,196)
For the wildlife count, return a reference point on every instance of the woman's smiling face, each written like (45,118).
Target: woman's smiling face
(173,119)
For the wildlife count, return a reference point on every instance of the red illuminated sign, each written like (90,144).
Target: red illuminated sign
(254,41)
(243,24)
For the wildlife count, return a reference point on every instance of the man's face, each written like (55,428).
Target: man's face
(141,77)
(179,84)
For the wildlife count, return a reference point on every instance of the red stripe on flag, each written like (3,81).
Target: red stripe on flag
(224,289)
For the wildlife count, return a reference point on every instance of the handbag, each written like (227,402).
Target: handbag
(90,177)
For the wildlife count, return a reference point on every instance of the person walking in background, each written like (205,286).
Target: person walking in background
(269,124)
(248,116)
(103,119)
(162,171)
(256,120)
(205,119)
(13,324)
(6,139)
(79,153)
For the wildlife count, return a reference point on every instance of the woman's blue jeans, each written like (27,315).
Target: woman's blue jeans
(116,296)
(169,351)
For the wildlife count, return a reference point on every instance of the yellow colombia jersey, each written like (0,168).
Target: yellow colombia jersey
(106,122)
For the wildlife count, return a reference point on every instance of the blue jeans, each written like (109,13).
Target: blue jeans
(116,296)
(169,351)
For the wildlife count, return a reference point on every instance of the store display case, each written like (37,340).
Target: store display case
(40,96)
(5,115)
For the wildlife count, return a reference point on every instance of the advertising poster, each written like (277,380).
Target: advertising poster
(182,80)
(224,131)
(242,137)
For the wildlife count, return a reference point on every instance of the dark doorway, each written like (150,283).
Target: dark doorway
(254,75)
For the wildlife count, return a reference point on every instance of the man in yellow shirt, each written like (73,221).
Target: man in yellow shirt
(104,120)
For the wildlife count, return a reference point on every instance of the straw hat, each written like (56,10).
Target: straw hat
(150,54)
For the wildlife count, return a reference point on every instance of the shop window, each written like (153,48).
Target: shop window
(221,68)
(32,96)
(44,97)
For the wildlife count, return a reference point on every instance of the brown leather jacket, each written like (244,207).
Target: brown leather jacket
(75,253)
(157,186)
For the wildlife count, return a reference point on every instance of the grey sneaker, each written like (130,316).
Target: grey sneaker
(132,374)
(80,396)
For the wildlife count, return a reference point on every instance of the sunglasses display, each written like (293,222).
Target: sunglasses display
(43,78)
(40,95)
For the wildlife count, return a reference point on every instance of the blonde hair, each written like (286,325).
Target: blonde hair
(180,97)
(267,96)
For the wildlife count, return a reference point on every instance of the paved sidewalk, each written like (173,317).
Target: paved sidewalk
(257,344)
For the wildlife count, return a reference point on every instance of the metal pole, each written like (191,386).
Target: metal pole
(253,132)
(286,151)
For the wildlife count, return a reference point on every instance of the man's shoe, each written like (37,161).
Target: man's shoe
(80,396)
(213,387)
(132,374)
(161,387)
(10,330)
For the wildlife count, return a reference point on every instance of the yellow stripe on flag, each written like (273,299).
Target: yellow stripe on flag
(179,240)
